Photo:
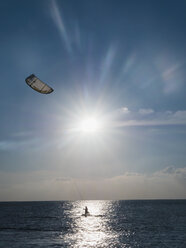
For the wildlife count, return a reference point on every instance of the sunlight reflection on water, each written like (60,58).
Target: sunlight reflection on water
(90,231)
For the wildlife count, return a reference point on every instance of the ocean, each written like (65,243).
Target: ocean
(130,223)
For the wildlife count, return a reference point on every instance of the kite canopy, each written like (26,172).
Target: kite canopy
(36,84)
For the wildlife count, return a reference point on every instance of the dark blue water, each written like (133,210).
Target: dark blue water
(160,223)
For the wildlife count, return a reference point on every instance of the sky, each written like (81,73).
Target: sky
(115,125)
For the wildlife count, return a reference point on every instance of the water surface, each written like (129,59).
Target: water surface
(159,223)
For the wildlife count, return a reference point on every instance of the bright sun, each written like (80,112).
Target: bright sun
(89,125)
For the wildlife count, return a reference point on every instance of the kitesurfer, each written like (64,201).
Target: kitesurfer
(86,210)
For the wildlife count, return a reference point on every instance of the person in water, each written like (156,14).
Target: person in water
(86,210)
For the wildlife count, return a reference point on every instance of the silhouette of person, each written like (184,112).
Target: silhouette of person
(86,210)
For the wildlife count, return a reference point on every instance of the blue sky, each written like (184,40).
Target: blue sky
(121,61)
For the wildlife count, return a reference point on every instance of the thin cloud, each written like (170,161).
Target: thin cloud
(59,22)
(6,145)
(148,117)
(123,110)
(172,78)
(22,134)
(107,63)
(77,35)
(172,170)
(168,183)
(146,111)
(127,65)
(170,71)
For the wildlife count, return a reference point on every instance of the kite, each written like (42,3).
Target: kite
(36,84)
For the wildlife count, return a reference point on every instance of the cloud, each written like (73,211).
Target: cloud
(167,74)
(171,171)
(107,63)
(22,134)
(59,22)
(17,144)
(128,64)
(172,78)
(148,117)
(168,183)
(124,110)
(146,111)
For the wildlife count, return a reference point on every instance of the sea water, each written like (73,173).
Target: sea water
(148,223)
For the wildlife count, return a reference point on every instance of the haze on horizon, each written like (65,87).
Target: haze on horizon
(115,125)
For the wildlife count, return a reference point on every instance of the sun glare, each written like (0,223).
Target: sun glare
(89,125)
